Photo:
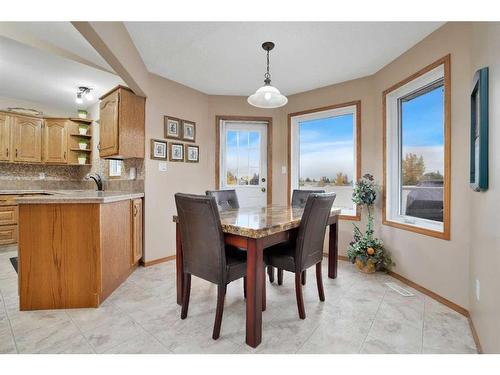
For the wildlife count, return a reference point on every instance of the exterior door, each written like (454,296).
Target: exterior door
(108,125)
(243,161)
(27,139)
(55,141)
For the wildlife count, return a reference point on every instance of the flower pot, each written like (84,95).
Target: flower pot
(82,113)
(82,131)
(82,146)
(368,267)
(82,160)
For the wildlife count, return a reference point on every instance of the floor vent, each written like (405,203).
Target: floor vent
(404,292)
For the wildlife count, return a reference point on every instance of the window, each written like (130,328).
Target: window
(325,152)
(115,168)
(242,157)
(417,152)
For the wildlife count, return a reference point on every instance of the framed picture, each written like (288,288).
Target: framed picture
(158,149)
(192,153)
(176,152)
(172,127)
(479,131)
(188,131)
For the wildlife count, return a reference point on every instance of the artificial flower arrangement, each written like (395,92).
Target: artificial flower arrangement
(367,251)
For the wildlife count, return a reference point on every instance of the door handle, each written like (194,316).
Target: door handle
(263,190)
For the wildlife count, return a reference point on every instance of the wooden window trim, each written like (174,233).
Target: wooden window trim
(445,234)
(356,103)
(269,121)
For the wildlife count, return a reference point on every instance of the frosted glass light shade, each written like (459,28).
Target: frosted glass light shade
(267,97)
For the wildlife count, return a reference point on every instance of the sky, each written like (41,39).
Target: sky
(327,145)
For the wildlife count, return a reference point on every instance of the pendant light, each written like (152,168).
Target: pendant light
(267,96)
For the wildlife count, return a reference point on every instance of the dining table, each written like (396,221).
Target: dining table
(255,229)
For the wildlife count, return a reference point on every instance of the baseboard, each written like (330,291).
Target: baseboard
(156,261)
(459,309)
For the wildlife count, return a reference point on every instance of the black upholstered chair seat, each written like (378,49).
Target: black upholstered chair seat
(236,263)
(281,256)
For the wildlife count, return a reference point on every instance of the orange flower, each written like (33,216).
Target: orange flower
(370,251)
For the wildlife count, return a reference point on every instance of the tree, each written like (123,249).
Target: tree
(308,179)
(413,169)
(341,179)
(433,176)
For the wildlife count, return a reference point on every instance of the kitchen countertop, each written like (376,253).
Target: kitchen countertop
(70,196)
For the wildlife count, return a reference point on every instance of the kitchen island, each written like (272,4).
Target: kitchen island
(76,247)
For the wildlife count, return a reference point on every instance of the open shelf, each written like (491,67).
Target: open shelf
(80,150)
(84,120)
(81,135)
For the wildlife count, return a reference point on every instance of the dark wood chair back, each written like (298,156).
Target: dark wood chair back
(311,236)
(203,246)
(226,199)
(299,197)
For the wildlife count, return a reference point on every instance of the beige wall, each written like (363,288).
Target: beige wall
(485,206)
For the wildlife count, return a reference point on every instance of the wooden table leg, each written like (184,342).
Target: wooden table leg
(255,277)
(333,252)
(178,263)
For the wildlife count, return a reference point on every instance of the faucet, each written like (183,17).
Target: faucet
(96,178)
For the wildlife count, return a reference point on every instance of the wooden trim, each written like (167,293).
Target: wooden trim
(157,261)
(475,336)
(269,120)
(356,103)
(445,234)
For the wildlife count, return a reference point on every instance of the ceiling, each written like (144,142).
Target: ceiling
(225,58)
(47,78)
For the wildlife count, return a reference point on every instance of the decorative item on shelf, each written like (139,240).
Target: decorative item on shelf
(192,153)
(188,131)
(83,129)
(176,152)
(172,127)
(479,131)
(83,144)
(82,114)
(267,96)
(366,251)
(82,159)
(158,149)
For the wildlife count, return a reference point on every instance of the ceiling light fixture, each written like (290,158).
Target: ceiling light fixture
(84,92)
(267,96)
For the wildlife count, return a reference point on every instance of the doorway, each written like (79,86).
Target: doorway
(243,158)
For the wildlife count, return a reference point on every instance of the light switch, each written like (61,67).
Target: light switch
(283,169)
(162,166)
(41,176)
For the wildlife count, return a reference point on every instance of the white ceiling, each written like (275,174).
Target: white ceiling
(226,58)
(36,75)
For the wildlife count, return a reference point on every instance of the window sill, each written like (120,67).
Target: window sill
(444,235)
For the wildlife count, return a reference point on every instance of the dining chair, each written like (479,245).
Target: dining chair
(299,199)
(225,199)
(307,249)
(204,253)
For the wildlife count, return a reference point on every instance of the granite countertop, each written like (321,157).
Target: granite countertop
(261,222)
(70,196)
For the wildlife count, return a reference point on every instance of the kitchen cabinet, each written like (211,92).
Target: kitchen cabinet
(5,131)
(8,219)
(27,139)
(121,124)
(55,141)
(137,225)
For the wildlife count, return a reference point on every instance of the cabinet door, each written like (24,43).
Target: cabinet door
(108,125)
(136,230)
(55,141)
(27,139)
(5,152)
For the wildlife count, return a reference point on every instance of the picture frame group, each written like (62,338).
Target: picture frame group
(174,151)
(179,129)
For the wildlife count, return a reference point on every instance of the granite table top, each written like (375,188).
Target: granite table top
(258,222)
(70,196)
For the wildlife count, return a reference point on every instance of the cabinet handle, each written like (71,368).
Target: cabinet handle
(7,152)
(135,210)
(16,152)
(64,155)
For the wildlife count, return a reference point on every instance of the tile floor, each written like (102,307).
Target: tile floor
(360,315)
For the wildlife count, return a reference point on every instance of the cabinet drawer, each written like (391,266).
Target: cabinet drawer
(8,215)
(8,234)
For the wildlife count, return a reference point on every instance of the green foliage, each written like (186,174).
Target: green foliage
(364,195)
(413,169)
(433,176)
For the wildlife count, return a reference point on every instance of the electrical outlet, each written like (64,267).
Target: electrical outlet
(41,176)
(162,166)
(478,290)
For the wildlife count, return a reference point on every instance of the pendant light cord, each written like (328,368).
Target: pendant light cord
(267,76)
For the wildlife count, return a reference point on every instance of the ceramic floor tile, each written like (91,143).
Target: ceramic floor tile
(143,344)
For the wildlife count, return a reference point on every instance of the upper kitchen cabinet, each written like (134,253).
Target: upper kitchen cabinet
(121,124)
(5,152)
(55,140)
(27,139)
